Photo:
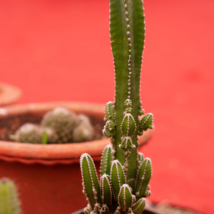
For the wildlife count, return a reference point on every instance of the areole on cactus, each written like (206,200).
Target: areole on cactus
(125,174)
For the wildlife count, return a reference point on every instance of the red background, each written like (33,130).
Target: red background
(60,51)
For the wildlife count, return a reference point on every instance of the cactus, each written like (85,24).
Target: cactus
(91,186)
(9,202)
(84,130)
(106,160)
(57,126)
(125,173)
(62,121)
(28,133)
(82,133)
(49,136)
(84,120)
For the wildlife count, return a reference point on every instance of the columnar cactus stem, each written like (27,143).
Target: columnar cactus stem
(105,165)
(91,186)
(127,41)
(117,177)
(106,190)
(125,197)
(9,202)
(124,172)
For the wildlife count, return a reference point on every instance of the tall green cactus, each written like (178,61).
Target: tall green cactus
(9,202)
(125,174)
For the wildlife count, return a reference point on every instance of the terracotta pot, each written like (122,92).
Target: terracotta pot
(8,94)
(48,176)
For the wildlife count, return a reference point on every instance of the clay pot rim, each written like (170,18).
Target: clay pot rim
(8,94)
(52,154)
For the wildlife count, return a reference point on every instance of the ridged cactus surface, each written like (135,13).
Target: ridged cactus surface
(9,202)
(125,173)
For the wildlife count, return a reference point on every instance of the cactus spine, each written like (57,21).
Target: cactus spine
(129,173)
(9,202)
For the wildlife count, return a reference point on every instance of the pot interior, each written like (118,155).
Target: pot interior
(10,123)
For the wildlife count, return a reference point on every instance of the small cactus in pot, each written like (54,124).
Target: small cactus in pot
(68,126)
(34,134)
(62,121)
(28,133)
(84,130)
(58,126)
(124,173)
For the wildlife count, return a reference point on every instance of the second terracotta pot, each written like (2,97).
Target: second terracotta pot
(48,176)
(8,94)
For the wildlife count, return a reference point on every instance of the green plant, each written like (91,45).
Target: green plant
(34,134)
(62,121)
(84,131)
(125,174)
(28,133)
(48,135)
(57,126)
(9,202)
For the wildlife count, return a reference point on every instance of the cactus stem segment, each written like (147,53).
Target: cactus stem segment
(138,207)
(106,160)
(117,177)
(143,177)
(90,179)
(106,190)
